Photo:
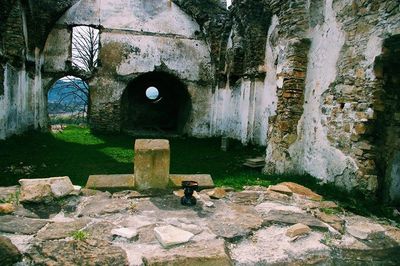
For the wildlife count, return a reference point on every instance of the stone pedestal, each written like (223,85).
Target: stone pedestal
(152,160)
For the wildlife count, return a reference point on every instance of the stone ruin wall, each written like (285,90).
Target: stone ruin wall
(300,77)
(315,99)
(136,37)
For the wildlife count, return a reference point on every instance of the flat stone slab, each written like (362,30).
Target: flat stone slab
(271,246)
(170,235)
(232,220)
(289,217)
(204,181)
(209,252)
(100,206)
(20,225)
(365,230)
(88,252)
(111,182)
(125,232)
(41,189)
(61,230)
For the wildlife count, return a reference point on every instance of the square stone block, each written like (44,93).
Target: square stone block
(151,164)
(111,182)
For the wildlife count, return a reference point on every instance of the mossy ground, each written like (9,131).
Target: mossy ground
(77,152)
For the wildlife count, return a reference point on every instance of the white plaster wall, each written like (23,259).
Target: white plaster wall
(57,49)
(241,111)
(22,102)
(312,152)
(190,59)
(156,16)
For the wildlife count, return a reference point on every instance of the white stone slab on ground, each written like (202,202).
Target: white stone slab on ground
(170,235)
(125,232)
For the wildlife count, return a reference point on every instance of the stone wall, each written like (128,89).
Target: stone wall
(137,37)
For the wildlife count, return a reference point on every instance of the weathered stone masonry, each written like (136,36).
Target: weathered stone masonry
(316,82)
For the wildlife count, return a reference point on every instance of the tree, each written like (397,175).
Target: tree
(68,99)
(85,48)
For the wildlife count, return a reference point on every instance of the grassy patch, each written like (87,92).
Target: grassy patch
(78,153)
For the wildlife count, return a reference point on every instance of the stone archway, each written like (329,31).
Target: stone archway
(155,101)
(387,133)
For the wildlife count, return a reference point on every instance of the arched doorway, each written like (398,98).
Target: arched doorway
(155,102)
(387,133)
(68,101)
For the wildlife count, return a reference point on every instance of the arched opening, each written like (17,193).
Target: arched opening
(68,101)
(387,133)
(155,102)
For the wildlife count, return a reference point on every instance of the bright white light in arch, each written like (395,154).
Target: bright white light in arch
(228,3)
(152,93)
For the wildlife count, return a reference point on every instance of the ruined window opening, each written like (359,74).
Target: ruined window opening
(68,101)
(155,102)
(85,48)
(152,93)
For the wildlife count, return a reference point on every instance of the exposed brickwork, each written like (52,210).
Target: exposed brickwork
(351,105)
(283,126)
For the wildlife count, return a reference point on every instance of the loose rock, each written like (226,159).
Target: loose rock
(9,253)
(297,230)
(170,235)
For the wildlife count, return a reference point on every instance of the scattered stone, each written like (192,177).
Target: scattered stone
(270,246)
(9,194)
(302,190)
(43,189)
(75,252)
(276,196)
(333,220)
(151,163)
(170,235)
(297,230)
(281,189)
(209,252)
(9,253)
(125,232)
(6,208)
(265,207)
(92,192)
(129,194)
(365,230)
(111,182)
(61,230)
(232,220)
(138,221)
(203,181)
(209,204)
(100,206)
(247,197)
(217,193)
(20,225)
(288,217)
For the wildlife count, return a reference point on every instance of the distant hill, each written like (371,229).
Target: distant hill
(65,97)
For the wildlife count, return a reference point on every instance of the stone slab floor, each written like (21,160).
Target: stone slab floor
(252,227)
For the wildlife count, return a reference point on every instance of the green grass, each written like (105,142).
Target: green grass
(78,153)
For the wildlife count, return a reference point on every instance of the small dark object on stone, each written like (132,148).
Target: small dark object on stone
(189,187)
